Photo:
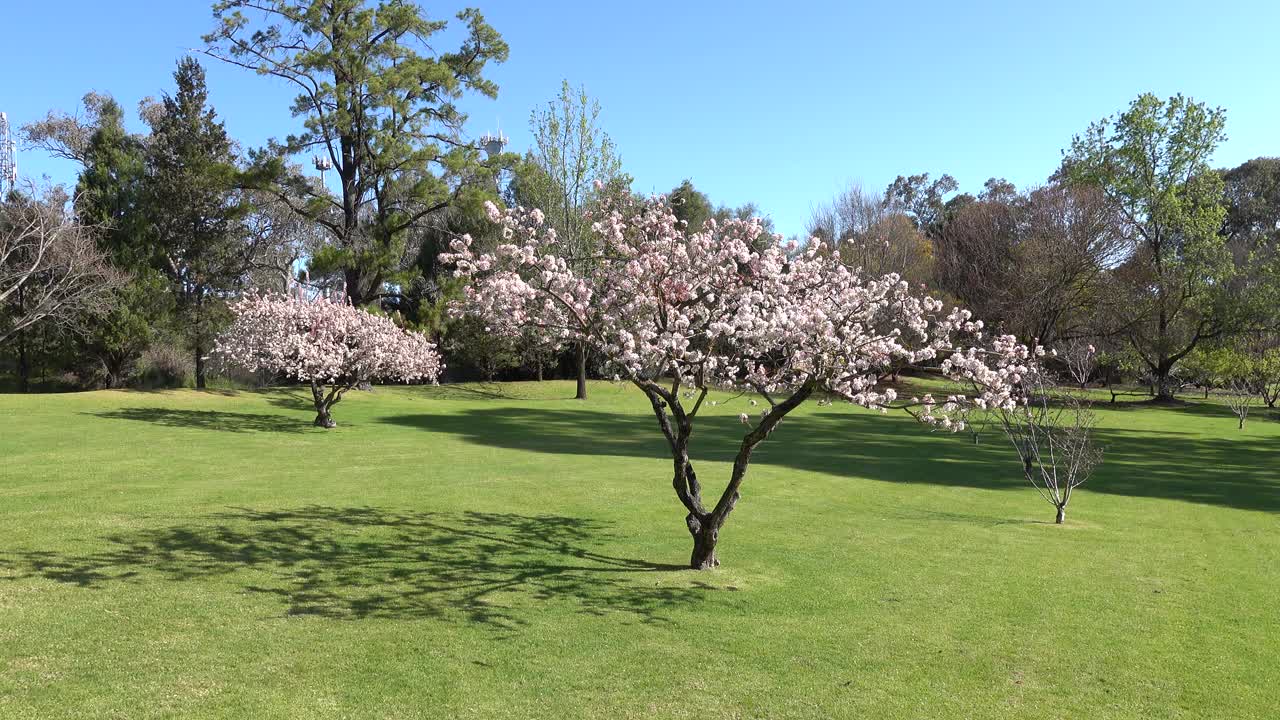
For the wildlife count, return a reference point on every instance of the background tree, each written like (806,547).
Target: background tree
(921,200)
(102,348)
(50,268)
(68,135)
(194,209)
(1034,263)
(108,345)
(329,345)
(870,234)
(1151,163)
(690,205)
(278,240)
(1252,231)
(379,102)
(572,163)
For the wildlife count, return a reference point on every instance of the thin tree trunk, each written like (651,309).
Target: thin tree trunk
(200,369)
(199,338)
(1062,514)
(581,352)
(24,365)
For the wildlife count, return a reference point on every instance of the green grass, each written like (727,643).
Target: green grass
(501,552)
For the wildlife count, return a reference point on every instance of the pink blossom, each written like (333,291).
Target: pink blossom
(323,342)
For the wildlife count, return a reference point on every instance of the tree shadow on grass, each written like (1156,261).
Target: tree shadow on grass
(209,419)
(492,569)
(1237,472)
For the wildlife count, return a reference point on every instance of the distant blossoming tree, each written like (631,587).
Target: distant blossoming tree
(677,312)
(328,344)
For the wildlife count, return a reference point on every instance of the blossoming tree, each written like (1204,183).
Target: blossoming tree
(328,344)
(677,313)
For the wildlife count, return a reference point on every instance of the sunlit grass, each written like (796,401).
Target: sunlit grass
(500,551)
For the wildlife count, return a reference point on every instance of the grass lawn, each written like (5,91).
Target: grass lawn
(503,552)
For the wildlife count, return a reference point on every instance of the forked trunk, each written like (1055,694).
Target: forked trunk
(323,418)
(705,535)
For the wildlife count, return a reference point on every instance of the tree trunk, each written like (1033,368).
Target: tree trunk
(1241,422)
(24,364)
(1062,514)
(705,536)
(539,372)
(24,369)
(581,352)
(200,369)
(323,418)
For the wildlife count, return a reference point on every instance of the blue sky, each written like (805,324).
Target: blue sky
(779,103)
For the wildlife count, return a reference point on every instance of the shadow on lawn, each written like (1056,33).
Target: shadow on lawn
(209,419)
(351,563)
(1236,472)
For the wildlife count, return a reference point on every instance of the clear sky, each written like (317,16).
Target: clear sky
(781,103)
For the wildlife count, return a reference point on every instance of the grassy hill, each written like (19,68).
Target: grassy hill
(500,551)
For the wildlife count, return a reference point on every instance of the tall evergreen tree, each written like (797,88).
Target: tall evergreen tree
(378,102)
(194,208)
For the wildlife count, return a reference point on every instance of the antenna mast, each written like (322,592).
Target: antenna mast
(8,161)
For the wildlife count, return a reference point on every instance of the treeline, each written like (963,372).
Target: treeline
(1136,259)
(1136,253)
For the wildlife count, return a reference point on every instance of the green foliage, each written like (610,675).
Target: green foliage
(571,155)
(922,200)
(380,103)
(474,349)
(110,190)
(109,345)
(1152,163)
(690,205)
(196,212)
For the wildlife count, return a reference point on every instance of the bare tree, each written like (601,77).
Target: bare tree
(50,265)
(1240,394)
(1081,359)
(1036,263)
(1052,434)
(278,241)
(872,234)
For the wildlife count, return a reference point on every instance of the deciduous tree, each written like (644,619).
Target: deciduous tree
(1151,163)
(678,312)
(327,344)
(572,166)
(50,265)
